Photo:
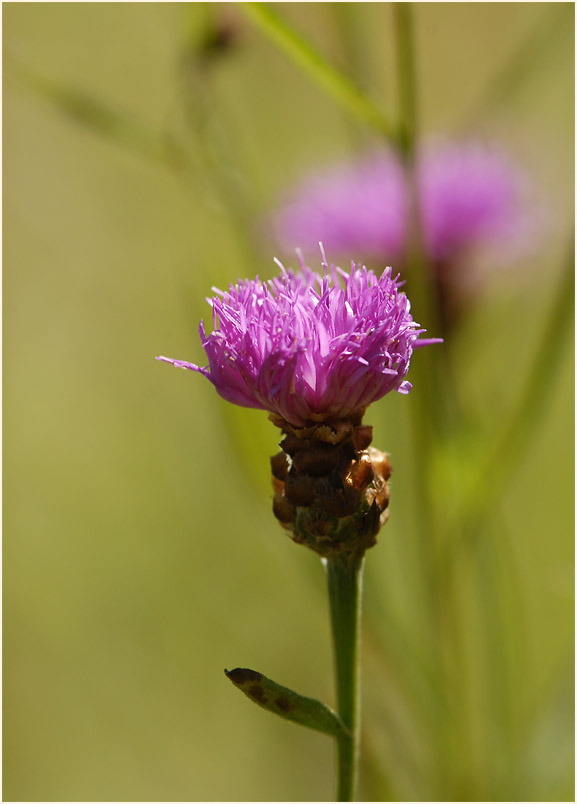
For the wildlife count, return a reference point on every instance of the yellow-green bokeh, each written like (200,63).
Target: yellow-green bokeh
(140,554)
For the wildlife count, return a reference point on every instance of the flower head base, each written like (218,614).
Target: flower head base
(331,490)
(310,348)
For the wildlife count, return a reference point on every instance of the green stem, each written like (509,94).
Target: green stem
(407,79)
(434,412)
(425,411)
(420,273)
(345,589)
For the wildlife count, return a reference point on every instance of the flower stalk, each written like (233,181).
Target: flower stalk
(345,599)
(315,351)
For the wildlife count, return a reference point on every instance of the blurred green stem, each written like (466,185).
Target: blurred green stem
(419,278)
(338,86)
(345,592)
(407,82)
(422,292)
(433,413)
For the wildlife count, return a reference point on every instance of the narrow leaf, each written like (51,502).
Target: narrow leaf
(334,83)
(286,703)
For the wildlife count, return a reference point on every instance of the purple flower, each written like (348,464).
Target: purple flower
(307,347)
(469,195)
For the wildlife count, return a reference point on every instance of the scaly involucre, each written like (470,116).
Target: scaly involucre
(310,347)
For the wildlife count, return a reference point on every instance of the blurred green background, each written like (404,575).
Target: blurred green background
(141,557)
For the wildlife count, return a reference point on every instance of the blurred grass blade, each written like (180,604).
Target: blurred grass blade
(340,88)
(407,78)
(113,124)
(286,703)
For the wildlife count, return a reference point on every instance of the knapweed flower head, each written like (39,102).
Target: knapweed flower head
(315,350)
(469,196)
(310,347)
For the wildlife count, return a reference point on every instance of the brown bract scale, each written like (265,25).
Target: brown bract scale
(280,466)
(331,489)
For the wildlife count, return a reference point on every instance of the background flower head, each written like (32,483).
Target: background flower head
(310,347)
(470,196)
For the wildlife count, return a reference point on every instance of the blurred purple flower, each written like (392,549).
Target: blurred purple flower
(307,347)
(469,195)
